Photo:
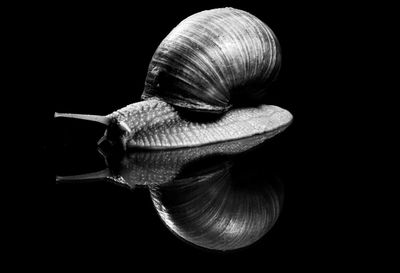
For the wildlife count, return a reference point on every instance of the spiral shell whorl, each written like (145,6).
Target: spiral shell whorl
(212,58)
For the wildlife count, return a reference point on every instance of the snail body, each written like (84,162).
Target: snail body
(210,61)
(157,124)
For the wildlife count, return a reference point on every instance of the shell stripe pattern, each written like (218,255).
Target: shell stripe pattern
(211,54)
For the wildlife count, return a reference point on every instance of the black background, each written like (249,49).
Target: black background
(93,59)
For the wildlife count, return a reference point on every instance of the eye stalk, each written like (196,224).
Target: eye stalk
(116,134)
(96,118)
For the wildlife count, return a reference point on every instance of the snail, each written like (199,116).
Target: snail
(202,86)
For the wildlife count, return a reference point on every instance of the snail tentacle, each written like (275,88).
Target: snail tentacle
(96,118)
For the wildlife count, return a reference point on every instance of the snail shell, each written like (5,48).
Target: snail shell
(212,59)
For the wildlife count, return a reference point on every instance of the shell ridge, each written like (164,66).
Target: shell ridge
(213,58)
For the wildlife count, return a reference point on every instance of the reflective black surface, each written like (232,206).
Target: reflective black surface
(90,59)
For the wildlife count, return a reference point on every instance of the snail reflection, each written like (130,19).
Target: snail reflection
(216,210)
(200,193)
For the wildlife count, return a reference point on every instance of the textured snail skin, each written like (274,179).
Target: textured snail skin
(155,124)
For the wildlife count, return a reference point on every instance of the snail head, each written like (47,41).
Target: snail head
(116,134)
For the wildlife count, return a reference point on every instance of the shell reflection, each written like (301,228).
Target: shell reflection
(218,211)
